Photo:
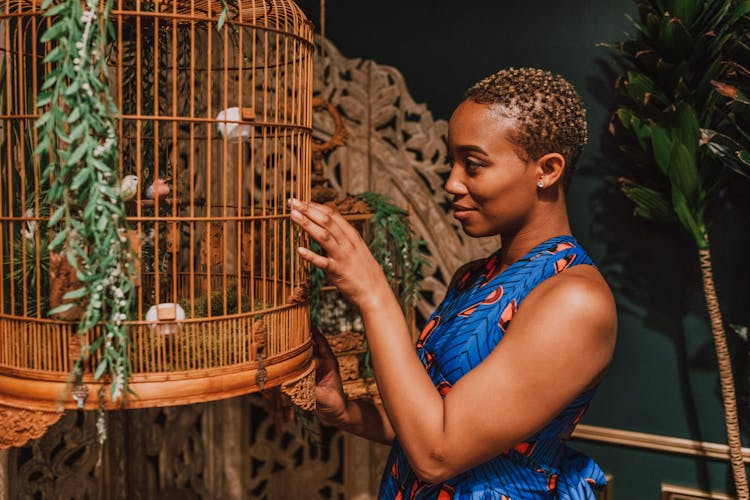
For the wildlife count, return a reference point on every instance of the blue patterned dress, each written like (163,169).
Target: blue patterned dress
(461,333)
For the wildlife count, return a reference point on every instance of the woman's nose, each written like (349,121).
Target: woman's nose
(454,185)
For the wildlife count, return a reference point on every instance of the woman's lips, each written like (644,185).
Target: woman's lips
(460,212)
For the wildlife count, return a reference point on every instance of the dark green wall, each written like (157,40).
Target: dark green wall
(663,379)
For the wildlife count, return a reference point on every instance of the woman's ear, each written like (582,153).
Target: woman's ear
(550,168)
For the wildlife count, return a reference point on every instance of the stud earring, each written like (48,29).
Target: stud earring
(540,184)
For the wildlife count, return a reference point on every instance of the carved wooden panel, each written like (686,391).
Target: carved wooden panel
(20,425)
(240,448)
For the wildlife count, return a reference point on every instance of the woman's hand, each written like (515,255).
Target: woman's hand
(348,263)
(331,402)
(361,417)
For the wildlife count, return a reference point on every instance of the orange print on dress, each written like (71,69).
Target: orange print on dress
(414,490)
(524,448)
(580,415)
(490,269)
(507,314)
(552,482)
(464,280)
(563,246)
(394,469)
(493,297)
(446,492)
(561,264)
(427,331)
(429,358)
(444,388)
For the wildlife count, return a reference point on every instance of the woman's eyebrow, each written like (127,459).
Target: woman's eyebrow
(470,148)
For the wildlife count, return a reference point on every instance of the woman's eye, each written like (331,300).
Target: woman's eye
(471,165)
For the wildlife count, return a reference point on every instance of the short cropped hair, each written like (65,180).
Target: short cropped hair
(547,109)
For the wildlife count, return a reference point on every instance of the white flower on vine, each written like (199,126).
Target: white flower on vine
(88,16)
(118,383)
(101,427)
(357,325)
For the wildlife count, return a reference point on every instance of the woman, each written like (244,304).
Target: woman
(508,363)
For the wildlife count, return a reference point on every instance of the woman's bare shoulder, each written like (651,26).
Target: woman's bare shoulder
(578,293)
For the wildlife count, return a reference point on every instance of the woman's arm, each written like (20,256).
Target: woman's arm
(558,345)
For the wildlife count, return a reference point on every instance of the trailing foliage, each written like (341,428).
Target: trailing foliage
(77,133)
(672,122)
(317,280)
(395,247)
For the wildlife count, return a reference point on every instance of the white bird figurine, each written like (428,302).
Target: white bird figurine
(164,318)
(129,187)
(228,125)
(158,190)
(30,230)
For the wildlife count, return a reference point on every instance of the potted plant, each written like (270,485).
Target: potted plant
(674,125)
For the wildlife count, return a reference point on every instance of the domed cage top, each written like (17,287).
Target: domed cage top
(214,136)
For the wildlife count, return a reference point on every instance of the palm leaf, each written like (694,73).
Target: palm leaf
(650,204)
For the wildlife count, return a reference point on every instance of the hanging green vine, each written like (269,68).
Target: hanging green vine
(395,247)
(77,132)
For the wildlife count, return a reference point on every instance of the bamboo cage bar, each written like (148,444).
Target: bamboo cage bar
(224,120)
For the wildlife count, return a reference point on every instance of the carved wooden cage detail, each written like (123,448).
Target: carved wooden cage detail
(218,123)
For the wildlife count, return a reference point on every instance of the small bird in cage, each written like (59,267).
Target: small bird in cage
(164,318)
(129,187)
(158,189)
(229,127)
(30,229)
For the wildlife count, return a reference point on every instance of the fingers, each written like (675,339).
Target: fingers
(313,258)
(320,344)
(325,359)
(322,351)
(322,223)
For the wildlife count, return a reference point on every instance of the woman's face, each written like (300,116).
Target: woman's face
(493,190)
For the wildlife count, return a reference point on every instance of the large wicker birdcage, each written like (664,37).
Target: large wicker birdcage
(215,125)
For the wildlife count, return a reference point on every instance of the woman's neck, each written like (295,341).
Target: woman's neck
(518,243)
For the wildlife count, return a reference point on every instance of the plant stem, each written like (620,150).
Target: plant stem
(725,376)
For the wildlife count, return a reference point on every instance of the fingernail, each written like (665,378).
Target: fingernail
(295,215)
